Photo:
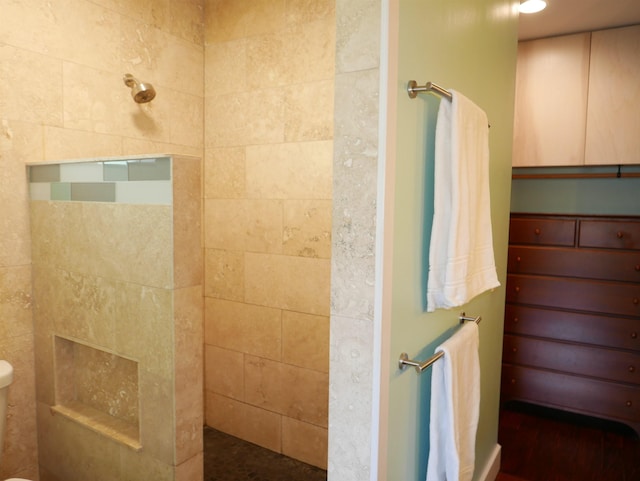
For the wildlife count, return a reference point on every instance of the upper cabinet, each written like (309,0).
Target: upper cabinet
(576,100)
(613,116)
(551,101)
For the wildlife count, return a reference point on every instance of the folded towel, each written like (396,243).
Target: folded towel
(455,407)
(461,260)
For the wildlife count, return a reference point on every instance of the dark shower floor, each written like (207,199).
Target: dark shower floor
(231,459)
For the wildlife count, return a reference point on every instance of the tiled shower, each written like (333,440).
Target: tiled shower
(260,117)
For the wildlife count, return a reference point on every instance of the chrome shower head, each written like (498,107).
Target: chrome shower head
(141,92)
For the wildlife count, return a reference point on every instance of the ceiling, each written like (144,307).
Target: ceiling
(570,16)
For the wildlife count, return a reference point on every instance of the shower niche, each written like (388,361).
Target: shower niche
(117,276)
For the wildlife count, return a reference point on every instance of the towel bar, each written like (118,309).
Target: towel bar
(413,88)
(404,360)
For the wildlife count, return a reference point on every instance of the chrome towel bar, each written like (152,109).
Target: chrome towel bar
(413,89)
(404,360)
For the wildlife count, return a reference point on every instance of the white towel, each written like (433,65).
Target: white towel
(461,260)
(455,407)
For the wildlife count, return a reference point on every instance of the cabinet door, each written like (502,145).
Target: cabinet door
(613,116)
(551,101)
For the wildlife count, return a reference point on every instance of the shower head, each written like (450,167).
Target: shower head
(141,92)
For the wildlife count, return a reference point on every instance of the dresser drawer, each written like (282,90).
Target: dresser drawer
(584,263)
(610,234)
(616,332)
(614,298)
(607,364)
(533,230)
(583,395)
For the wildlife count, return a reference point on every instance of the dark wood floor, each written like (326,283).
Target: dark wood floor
(541,444)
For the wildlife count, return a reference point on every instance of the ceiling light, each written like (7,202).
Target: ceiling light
(532,6)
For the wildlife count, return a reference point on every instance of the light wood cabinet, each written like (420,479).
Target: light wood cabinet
(577,100)
(551,101)
(613,116)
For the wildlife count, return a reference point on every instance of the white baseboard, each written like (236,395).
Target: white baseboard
(492,467)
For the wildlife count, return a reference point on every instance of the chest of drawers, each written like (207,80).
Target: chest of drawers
(572,315)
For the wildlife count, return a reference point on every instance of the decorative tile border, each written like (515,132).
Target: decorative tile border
(130,181)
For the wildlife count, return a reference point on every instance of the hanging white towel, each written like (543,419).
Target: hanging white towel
(461,260)
(455,407)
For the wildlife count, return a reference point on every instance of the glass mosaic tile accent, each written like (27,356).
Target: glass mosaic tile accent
(131,181)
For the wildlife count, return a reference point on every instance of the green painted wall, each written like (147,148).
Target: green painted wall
(614,196)
(469,46)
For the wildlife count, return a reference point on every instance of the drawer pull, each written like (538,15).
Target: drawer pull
(629,404)
(636,301)
(513,381)
(517,289)
(516,320)
(634,335)
(536,231)
(518,259)
(638,267)
(514,349)
(632,369)
(619,234)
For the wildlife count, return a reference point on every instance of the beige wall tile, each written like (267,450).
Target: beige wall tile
(20,450)
(49,29)
(225,372)
(226,20)
(244,328)
(310,51)
(250,225)
(266,61)
(226,67)
(224,274)
(305,442)
(186,20)
(92,102)
(253,424)
(250,118)
(191,469)
(225,173)
(303,11)
(143,326)
(19,142)
(155,56)
(15,302)
(143,146)
(305,340)
(187,222)
(41,102)
(291,283)
(299,170)
(307,228)
(189,360)
(186,117)
(288,390)
(309,112)
(76,144)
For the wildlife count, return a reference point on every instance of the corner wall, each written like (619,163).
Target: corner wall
(267,225)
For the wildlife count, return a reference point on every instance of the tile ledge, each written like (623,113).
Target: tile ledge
(101,423)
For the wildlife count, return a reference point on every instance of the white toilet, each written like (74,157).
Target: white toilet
(6,378)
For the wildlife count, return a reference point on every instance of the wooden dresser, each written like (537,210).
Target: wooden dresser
(572,316)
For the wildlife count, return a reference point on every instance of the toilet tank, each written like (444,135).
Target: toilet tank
(6,378)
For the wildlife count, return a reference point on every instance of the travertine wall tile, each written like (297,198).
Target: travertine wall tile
(267,386)
(307,228)
(225,176)
(243,327)
(300,170)
(259,426)
(15,301)
(358,36)
(250,225)
(42,101)
(304,441)
(308,290)
(308,112)
(224,277)
(305,340)
(62,97)
(225,371)
(226,67)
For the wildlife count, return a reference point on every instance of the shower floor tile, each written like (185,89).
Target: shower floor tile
(227,458)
